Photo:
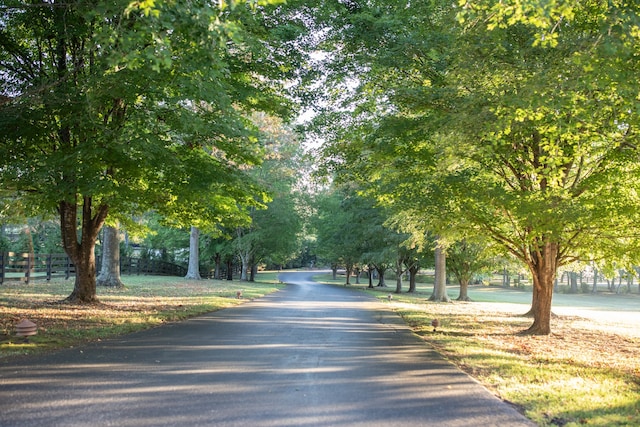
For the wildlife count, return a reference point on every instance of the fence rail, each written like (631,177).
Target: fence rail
(27,267)
(129,265)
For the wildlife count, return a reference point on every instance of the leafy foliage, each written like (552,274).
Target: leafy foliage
(120,107)
(274,235)
(511,120)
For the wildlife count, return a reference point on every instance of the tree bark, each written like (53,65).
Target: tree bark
(229,269)
(440,284)
(572,278)
(254,272)
(244,261)
(464,290)
(543,266)
(506,278)
(348,271)
(370,270)
(413,277)
(110,270)
(193,272)
(399,273)
(82,253)
(217,260)
(381,281)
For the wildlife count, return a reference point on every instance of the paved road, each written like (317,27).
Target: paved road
(309,355)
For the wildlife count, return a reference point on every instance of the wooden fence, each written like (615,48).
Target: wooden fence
(129,265)
(27,267)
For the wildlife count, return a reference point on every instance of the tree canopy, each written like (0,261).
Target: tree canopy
(120,107)
(510,120)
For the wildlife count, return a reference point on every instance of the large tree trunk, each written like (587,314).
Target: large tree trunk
(464,290)
(82,253)
(218,261)
(572,278)
(543,267)
(229,269)
(381,281)
(244,259)
(254,272)
(370,270)
(440,284)
(193,272)
(110,270)
(413,277)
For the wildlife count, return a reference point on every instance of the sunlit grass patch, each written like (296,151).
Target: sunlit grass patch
(144,302)
(579,375)
(557,380)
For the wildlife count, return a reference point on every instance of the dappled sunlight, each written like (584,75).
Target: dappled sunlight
(589,361)
(302,380)
(313,358)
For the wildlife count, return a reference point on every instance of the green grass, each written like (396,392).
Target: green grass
(144,302)
(584,374)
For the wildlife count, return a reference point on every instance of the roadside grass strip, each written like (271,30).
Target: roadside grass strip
(144,302)
(586,373)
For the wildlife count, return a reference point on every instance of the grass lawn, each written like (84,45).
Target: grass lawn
(586,373)
(145,302)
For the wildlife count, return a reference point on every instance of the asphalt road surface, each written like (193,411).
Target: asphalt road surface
(309,355)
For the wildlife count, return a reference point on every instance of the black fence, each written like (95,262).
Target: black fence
(152,267)
(27,267)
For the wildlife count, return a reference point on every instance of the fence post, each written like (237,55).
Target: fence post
(49,261)
(3,256)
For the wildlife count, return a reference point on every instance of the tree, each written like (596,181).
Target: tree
(465,259)
(351,231)
(558,135)
(215,250)
(193,270)
(335,226)
(110,269)
(402,261)
(440,282)
(83,132)
(274,235)
(509,119)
